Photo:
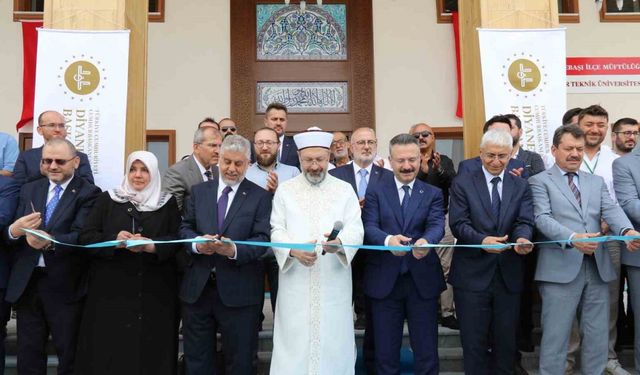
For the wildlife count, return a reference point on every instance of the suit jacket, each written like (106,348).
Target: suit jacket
(471,220)
(346,173)
(532,160)
(9,193)
(382,216)
(181,177)
(289,154)
(66,266)
(558,216)
(27,166)
(240,282)
(626,182)
(474,164)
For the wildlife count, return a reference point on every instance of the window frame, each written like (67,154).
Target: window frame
(573,17)
(22,15)
(617,17)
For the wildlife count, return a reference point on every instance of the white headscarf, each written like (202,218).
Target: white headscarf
(151,197)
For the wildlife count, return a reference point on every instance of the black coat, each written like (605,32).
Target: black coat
(129,324)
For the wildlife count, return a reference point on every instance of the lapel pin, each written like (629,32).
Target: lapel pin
(73,190)
(244,193)
(421,191)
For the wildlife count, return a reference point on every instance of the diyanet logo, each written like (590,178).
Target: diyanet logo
(524,74)
(82,78)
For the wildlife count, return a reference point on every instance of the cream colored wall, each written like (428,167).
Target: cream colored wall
(189,72)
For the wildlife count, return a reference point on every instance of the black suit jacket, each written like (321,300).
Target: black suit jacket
(475,164)
(533,161)
(289,154)
(240,282)
(27,166)
(66,266)
(346,173)
(471,220)
(9,193)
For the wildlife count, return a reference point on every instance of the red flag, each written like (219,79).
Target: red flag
(30,47)
(456,38)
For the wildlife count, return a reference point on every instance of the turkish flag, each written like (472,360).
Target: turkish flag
(456,38)
(30,48)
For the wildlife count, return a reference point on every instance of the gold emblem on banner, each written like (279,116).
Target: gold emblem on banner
(524,75)
(82,77)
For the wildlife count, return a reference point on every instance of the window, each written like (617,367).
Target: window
(568,10)
(620,11)
(32,10)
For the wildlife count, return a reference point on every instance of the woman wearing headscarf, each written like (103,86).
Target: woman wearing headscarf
(129,324)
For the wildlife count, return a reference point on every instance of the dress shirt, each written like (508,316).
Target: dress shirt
(400,190)
(602,165)
(356,172)
(8,152)
(258,175)
(488,177)
(202,169)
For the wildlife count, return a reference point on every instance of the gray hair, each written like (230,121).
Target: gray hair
(497,137)
(403,139)
(236,143)
(62,141)
(199,135)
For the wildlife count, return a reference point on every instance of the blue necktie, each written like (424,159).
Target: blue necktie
(404,267)
(53,203)
(362,186)
(222,207)
(495,198)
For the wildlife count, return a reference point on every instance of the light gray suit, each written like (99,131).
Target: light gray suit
(179,179)
(568,278)
(626,182)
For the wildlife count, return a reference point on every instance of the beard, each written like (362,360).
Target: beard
(266,160)
(315,179)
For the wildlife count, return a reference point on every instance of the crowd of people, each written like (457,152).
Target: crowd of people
(463,249)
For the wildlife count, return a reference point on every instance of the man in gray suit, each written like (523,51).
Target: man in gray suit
(626,181)
(196,168)
(569,204)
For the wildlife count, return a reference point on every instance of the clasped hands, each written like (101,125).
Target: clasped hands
(219,245)
(123,236)
(31,221)
(523,246)
(417,251)
(308,258)
(589,247)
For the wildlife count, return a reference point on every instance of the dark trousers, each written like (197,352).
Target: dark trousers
(237,326)
(368,342)
(357,283)
(388,321)
(5,315)
(271,269)
(491,313)
(41,313)
(525,328)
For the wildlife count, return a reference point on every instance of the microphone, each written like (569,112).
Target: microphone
(337,227)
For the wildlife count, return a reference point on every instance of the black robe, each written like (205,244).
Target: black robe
(129,324)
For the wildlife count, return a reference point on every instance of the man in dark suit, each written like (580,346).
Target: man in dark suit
(51,125)
(223,283)
(490,207)
(402,210)
(532,160)
(515,167)
(47,280)
(9,193)
(275,118)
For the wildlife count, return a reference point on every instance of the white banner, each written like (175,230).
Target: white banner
(83,75)
(524,73)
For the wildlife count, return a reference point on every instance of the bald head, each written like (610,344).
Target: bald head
(51,124)
(425,136)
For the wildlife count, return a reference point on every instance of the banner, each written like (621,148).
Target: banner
(524,73)
(588,75)
(29,48)
(83,75)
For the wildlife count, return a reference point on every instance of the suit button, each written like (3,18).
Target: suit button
(139,316)
(139,229)
(129,209)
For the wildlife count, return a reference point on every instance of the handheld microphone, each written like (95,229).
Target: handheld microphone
(337,227)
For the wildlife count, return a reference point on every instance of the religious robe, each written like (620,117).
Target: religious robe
(313,326)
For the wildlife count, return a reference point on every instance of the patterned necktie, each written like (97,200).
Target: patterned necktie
(53,203)
(405,200)
(574,188)
(222,207)
(209,175)
(495,198)
(362,186)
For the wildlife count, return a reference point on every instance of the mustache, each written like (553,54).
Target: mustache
(408,170)
(573,158)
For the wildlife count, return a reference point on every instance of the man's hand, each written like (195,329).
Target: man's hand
(420,252)
(37,242)
(586,248)
(361,202)
(30,221)
(436,161)
(633,245)
(207,248)
(516,171)
(399,240)
(424,164)
(331,249)
(380,163)
(225,247)
(604,227)
(306,258)
(491,240)
(272,181)
(524,246)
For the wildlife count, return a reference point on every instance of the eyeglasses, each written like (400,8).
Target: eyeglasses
(226,129)
(370,143)
(60,162)
(424,134)
(628,133)
(266,143)
(496,156)
(340,142)
(53,126)
(308,161)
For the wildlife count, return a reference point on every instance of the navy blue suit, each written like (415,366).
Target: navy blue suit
(474,164)
(487,286)
(396,295)
(28,166)
(9,192)
(289,153)
(220,291)
(48,299)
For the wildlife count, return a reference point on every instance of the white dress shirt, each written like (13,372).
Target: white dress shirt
(400,190)
(488,177)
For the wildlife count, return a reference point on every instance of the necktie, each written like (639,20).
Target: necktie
(404,267)
(495,198)
(574,188)
(53,203)
(222,207)
(209,175)
(362,186)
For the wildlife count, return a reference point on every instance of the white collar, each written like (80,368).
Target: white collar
(357,168)
(488,176)
(200,166)
(399,184)
(52,185)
